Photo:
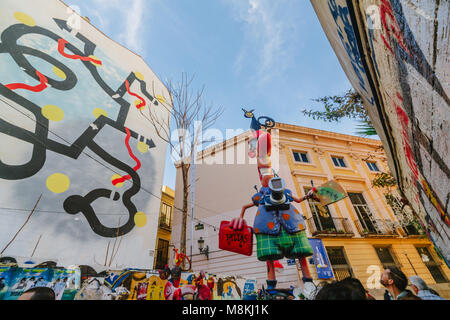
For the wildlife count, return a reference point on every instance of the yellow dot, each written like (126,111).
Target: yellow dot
(139,75)
(96,58)
(136,102)
(24,18)
(114,177)
(58,182)
(59,73)
(97,112)
(52,112)
(142,147)
(160,98)
(140,219)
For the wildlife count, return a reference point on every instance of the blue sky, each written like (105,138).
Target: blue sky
(271,56)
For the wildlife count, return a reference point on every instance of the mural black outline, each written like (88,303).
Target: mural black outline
(40,139)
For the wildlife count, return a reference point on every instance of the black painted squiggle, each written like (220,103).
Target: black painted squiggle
(40,139)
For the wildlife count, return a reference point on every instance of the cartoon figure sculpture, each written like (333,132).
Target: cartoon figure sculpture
(180,257)
(279,227)
(202,291)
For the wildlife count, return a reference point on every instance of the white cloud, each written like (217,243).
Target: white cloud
(134,16)
(269,28)
(115,14)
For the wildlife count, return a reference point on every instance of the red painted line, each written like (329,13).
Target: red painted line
(38,88)
(138,163)
(140,105)
(61,47)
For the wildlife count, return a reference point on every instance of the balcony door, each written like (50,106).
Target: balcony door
(162,254)
(362,210)
(321,215)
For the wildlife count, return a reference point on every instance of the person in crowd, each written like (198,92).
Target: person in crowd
(395,281)
(387,295)
(358,287)
(38,293)
(421,289)
(347,289)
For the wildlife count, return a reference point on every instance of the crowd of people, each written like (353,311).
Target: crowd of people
(393,280)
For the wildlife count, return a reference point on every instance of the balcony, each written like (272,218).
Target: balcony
(411,231)
(164,224)
(335,227)
(376,228)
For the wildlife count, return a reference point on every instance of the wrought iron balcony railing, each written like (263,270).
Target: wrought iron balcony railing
(376,227)
(330,227)
(412,231)
(163,223)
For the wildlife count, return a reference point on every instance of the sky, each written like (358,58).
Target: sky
(271,56)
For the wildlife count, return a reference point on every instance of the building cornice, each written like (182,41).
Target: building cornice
(316,134)
(308,173)
(349,178)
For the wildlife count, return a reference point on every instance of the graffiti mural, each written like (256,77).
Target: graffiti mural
(74,127)
(405,57)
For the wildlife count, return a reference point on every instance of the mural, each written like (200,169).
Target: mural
(398,50)
(15,281)
(135,285)
(74,128)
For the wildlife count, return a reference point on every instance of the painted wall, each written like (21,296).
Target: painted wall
(395,54)
(74,128)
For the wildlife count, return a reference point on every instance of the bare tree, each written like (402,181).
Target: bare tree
(185,110)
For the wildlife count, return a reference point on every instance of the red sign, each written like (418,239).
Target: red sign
(236,241)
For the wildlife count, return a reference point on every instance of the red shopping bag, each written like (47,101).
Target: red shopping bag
(238,241)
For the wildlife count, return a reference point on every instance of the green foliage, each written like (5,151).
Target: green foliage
(390,199)
(337,107)
(383,180)
(366,129)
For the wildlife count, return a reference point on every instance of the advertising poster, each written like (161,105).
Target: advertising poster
(65,283)
(250,290)
(27,278)
(323,266)
(5,280)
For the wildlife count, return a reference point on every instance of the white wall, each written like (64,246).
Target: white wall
(35,145)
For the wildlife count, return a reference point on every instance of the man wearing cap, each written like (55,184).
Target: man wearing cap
(421,289)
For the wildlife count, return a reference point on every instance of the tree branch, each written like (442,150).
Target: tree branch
(26,221)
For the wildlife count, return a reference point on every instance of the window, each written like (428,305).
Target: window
(386,257)
(321,216)
(339,162)
(165,218)
(431,264)
(162,254)
(365,224)
(339,263)
(373,166)
(301,157)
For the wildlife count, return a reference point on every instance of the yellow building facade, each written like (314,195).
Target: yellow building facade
(361,233)
(165,220)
